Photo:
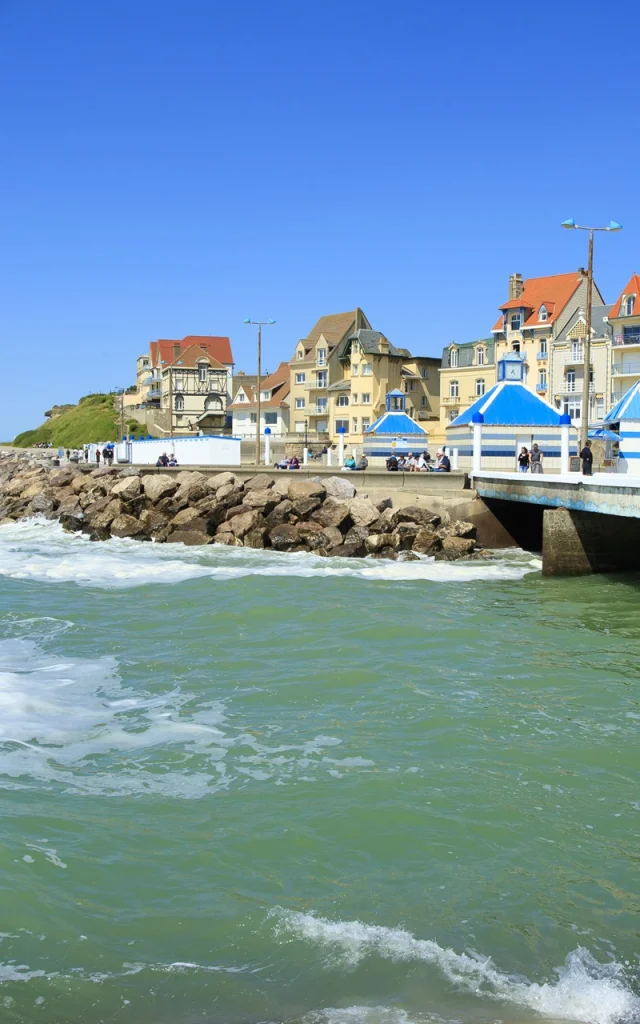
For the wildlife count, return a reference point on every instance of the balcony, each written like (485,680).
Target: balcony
(630,369)
(450,399)
(315,410)
(541,388)
(540,356)
(315,385)
(621,340)
(574,358)
(154,392)
(574,387)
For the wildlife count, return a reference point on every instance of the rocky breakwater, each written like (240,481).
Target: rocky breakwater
(327,517)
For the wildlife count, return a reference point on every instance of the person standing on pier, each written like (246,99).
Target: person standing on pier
(535,459)
(587,460)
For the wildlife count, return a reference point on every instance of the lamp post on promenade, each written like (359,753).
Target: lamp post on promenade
(259,324)
(571,225)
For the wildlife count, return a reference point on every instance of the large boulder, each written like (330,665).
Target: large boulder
(153,521)
(231,499)
(455,547)
(312,535)
(426,541)
(183,518)
(159,485)
(457,528)
(414,514)
(73,522)
(42,504)
(69,505)
(61,477)
(242,524)
(404,536)
(377,541)
(222,480)
(356,535)
(81,482)
(280,514)
(127,488)
(31,490)
(110,509)
(262,498)
(334,513)
(256,538)
(126,526)
(330,537)
(284,537)
(302,507)
(363,511)
(190,537)
(193,486)
(383,504)
(305,489)
(259,482)
(356,550)
(339,487)
(223,492)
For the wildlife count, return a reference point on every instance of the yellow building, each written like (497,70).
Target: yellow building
(342,371)
(467,372)
(624,321)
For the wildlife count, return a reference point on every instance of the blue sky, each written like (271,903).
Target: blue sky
(172,166)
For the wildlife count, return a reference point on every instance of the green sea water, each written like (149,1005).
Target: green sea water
(248,787)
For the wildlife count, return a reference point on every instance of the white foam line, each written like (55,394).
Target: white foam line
(585,990)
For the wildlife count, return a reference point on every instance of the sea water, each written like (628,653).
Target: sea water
(241,786)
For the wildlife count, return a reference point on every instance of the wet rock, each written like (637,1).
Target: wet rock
(348,550)
(102,517)
(312,535)
(157,486)
(427,541)
(153,520)
(330,537)
(256,538)
(284,537)
(455,547)
(126,526)
(457,528)
(189,537)
(73,522)
(356,535)
(404,536)
(377,541)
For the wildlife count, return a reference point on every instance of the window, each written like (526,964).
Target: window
(342,423)
(631,335)
(178,384)
(600,408)
(300,378)
(354,369)
(481,356)
(270,418)
(366,423)
(480,387)
(354,423)
(322,404)
(628,303)
(342,400)
(542,379)
(354,399)
(366,398)
(454,389)
(573,406)
(452,415)
(355,347)
(300,403)
(409,385)
(254,417)
(202,372)
(213,403)
(424,372)
(179,401)
(577,352)
(241,397)
(322,357)
(424,402)
(570,380)
(515,346)
(321,379)
(516,321)
(265,396)
(366,369)
(453,357)
(300,353)
(542,314)
(145,362)
(543,346)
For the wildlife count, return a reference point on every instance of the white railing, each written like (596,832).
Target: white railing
(316,410)
(315,385)
(574,387)
(574,358)
(630,368)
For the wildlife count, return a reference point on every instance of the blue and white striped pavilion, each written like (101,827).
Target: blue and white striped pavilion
(394,433)
(513,417)
(624,418)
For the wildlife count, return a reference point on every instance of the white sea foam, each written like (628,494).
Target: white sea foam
(584,990)
(40,550)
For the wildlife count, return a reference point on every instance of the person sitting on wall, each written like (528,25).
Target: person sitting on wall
(423,461)
(294,462)
(392,464)
(350,462)
(172,461)
(443,463)
(412,463)
(163,460)
(363,464)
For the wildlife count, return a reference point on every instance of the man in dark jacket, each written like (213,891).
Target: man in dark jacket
(587,460)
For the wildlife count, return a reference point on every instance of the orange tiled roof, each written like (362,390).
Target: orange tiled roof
(278,381)
(188,358)
(164,349)
(552,292)
(631,288)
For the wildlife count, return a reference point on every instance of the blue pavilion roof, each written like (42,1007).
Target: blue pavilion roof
(628,408)
(395,423)
(510,404)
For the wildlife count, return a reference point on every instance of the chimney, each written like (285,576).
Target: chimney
(383,345)
(582,272)
(516,286)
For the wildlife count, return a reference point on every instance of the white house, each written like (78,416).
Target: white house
(274,406)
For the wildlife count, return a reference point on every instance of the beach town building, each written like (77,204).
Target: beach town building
(623,420)
(624,324)
(394,432)
(467,372)
(274,405)
(562,376)
(342,371)
(510,416)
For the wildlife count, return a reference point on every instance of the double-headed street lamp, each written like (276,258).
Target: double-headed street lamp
(259,324)
(611,226)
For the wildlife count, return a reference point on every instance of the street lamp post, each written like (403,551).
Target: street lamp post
(571,225)
(259,324)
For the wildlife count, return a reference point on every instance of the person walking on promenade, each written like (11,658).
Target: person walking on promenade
(98,456)
(587,460)
(523,460)
(536,459)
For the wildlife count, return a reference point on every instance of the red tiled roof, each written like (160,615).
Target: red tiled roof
(279,381)
(164,350)
(631,288)
(189,357)
(552,292)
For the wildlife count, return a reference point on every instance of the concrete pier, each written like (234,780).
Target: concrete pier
(580,543)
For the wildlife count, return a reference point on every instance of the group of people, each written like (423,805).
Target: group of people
(292,462)
(165,460)
(532,460)
(420,463)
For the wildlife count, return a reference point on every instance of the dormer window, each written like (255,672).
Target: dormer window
(628,302)
(516,321)
(453,357)
(542,314)
(481,356)
(300,353)
(202,371)
(265,396)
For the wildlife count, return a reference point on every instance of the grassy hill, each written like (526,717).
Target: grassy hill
(94,418)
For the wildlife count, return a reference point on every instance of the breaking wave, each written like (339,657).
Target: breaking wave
(40,550)
(583,990)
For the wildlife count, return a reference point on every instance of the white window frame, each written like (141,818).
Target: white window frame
(355,367)
(367,369)
(354,424)
(300,403)
(202,372)
(543,315)
(453,358)
(481,387)
(454,389)
(365,398)
(300,378)
(179,402)
(481,353)
(322,357)
(342,401)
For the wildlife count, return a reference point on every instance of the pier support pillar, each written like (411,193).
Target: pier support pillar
(579,543)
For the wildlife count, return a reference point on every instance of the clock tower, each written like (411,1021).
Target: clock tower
(511,367)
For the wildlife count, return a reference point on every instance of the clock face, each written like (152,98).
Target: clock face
(513,371)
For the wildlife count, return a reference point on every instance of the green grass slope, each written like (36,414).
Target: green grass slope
(94,418)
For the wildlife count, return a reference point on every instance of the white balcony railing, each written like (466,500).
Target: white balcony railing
(574,358)
(574,387)
(312,409)
(315,385)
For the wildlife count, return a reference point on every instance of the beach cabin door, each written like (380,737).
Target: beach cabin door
(522,441)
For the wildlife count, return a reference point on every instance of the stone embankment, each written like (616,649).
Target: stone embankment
(327,517)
